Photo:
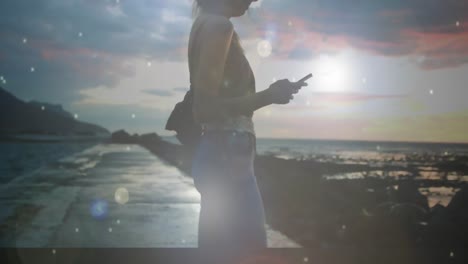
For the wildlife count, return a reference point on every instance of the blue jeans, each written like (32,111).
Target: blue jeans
(231,209)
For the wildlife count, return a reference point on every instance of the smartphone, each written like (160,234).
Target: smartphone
(307,77)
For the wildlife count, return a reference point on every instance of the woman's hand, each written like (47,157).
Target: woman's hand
(281,92)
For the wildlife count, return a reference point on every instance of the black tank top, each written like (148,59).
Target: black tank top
(239,79)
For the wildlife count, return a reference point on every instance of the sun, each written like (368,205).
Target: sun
(332,74)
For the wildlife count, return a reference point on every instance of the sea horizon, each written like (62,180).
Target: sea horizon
(352,140)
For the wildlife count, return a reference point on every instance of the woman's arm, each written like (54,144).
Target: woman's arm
(215,38)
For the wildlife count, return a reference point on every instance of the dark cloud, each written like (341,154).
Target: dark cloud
(77,44)
(84,43)
(391,28)
(180,89)
(299,53)
(157,92)
(373,19)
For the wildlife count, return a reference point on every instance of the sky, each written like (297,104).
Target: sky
(383,70)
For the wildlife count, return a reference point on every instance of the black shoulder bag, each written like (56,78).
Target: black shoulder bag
(181,118)
(182,122)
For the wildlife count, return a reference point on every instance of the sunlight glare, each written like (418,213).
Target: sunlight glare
(332,74)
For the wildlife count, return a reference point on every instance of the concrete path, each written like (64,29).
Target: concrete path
(107,196)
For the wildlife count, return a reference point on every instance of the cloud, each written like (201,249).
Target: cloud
(448,127)
(321,101)
(78,44)
(317,127)
(133,118)
(389,28)
(158,92)
(180,89)
(353,97)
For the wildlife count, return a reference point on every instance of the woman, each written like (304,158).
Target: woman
(231,212)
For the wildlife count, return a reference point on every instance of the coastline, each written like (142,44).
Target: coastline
(318,213)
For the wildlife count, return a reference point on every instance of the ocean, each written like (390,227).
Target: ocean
(405,158)
(305,149)
(21,158)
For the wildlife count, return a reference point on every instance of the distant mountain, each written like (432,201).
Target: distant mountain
(18,117)
(51,107)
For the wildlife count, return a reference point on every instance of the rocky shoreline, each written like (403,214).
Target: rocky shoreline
(320,213)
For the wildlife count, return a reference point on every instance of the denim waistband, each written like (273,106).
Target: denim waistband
(226,132)
(227,136)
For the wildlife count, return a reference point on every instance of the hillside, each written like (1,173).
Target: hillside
(18,117)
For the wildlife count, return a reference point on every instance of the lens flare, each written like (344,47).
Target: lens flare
(121,196)
(264,48)
(99,209)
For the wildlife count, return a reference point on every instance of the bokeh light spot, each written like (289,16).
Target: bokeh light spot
(264,48)
(99,209)
(121,195)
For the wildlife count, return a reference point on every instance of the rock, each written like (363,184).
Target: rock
(121,137)
(151,137)
(409,214)
(396,224)
(449,226)
(383,209)
(408,193)
(458,206)
(458,214)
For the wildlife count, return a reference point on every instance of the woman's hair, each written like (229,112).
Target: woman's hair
(204,4)
(195,9)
